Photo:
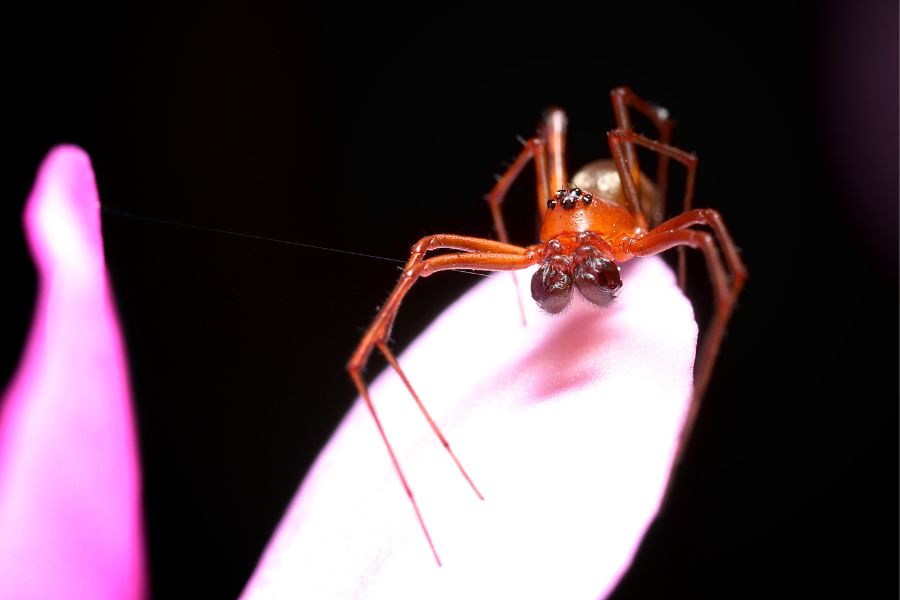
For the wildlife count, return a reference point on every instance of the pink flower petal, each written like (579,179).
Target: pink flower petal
(568,426)
(70,524)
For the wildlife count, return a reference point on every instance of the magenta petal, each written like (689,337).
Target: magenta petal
(568,426)
(70,520)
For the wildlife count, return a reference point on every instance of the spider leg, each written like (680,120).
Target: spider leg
(534,148)
(624,137)
(712,219)
(675,233)
(548,151)
(480,254)
(553,132)
(622,99)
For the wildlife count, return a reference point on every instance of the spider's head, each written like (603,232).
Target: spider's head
(588,266)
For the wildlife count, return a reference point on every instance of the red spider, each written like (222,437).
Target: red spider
(608,213)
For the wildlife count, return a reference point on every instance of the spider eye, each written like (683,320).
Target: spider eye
(596,277)
(551,285)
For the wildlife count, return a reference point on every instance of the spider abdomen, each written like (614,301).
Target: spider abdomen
(601,178)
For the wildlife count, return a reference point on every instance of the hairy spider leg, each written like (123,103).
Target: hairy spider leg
(553,132)
(535,149)
(674,233)
(479,254)
(548,152)
(622,99)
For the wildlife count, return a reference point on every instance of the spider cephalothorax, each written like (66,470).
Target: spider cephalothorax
(587,265)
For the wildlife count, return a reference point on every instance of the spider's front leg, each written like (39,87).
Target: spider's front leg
(727,285)
(675,232)
(477,253)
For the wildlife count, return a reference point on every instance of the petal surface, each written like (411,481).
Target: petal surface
(568,426)
(70,517)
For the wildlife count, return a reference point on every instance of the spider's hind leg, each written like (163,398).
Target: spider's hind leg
(623,99)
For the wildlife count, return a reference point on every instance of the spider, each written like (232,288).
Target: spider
(608,213)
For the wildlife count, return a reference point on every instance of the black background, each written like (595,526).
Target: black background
(362,131)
